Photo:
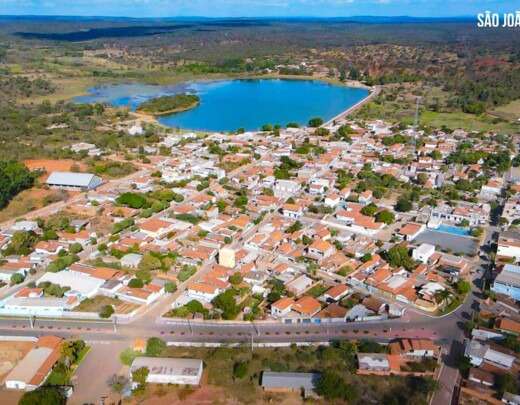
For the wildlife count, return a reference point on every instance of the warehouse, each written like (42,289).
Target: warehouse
(74,181)
(164,370)
(36,366)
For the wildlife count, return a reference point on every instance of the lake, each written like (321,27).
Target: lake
(227,105)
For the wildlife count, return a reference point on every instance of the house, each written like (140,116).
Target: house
(25,226)
(509,245)
(144,295)
(307,306)
(157,228)
(508,326)
(131,260)
(282,307)
(286,188)
(414,348)
(256,278)
(204,292)
(410,231)
(48,248)
(293,211)
(299,285)
(365,197)
(74,181)
(168,370)
(320,249)
(290,382)
(479,353)
(9,268)
(353,219)
(35,367)
(507,282)
(423,252)
(336,293)
(376,363)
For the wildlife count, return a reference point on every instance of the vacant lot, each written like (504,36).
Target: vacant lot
(509,111)
(29,200)
(468,122)
(11,352)
(95,304)
(50,165)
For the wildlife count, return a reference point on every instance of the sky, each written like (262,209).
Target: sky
(256,8)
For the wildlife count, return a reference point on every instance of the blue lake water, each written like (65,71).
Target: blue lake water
(227,105)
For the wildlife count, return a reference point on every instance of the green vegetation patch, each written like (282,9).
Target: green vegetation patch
(169,104)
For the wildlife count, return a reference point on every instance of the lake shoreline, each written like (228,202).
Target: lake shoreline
(286,101)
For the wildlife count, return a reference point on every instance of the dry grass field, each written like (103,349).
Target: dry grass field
(11,352)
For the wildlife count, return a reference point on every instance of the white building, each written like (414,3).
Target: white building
(81,285)
(423,252)
(286,188)
(74,181)
(169,370)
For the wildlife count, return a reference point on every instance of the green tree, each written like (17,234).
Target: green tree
(17,278)
(398,256)
(403,205)
(315,122)
(155,346)
(21,243)
(14,178)
(331,386)
(43,396)
(227,304)
(149,262)
(236,278)
(385,216)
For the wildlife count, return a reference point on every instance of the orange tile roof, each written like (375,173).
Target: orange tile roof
(410,228)
(337,290)
(154,225)
(307,305)
(320,245)
(283,303)
(508,325)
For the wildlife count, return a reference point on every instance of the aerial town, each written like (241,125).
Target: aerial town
(343,228)
(253,210)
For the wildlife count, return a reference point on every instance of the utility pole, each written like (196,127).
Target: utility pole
(31,321)
(115,324)
(252,342)
(416,120)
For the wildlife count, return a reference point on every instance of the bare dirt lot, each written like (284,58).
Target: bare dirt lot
(11,352)
(50,165)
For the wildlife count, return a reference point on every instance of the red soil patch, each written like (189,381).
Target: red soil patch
(50,165)
(206,394)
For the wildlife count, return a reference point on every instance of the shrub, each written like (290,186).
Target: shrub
(106,311)
(240,370)
(135,283)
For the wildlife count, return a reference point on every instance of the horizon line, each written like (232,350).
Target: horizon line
(243,17)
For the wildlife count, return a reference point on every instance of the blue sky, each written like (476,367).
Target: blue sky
(250,8)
